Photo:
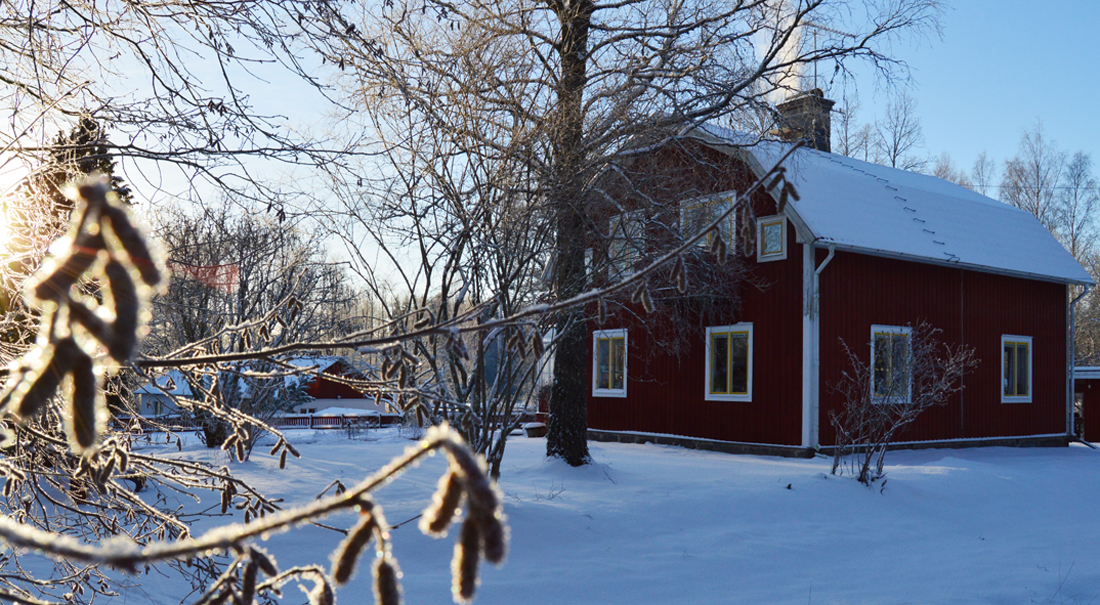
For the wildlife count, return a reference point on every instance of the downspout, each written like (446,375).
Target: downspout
(1071,363)
(812,347)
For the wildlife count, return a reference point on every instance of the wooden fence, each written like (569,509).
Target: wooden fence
(289,421)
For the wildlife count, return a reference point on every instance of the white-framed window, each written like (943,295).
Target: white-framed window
(771,238)
(1015,369)
(729,363)
(891,372)
(609,363)
(625,245)
(696,214)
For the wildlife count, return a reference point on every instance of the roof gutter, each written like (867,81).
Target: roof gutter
(956,264)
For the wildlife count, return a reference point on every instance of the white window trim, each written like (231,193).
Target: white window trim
(884,329)
(781,255)
(596,336)
(728,230)
(1005,338)
(738,327)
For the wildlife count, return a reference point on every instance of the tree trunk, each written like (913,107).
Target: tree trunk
(567,437)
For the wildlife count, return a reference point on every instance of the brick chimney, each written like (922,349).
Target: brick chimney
(805,117)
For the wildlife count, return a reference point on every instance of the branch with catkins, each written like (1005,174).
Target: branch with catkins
(483,535)
(92,298)
(105,245)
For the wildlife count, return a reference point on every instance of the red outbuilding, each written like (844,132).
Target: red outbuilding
(865,254)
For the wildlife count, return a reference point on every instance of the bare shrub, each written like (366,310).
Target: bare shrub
(880,401)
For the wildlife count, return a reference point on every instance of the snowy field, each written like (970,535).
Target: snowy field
(658,524)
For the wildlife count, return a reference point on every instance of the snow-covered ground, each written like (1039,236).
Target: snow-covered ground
(657,524)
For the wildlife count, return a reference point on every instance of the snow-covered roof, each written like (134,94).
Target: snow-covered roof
(321,363)
(336,411)
(871,209)
(1086,373)
(171,382)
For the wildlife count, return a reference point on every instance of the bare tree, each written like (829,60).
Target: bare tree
(851,138)
(944,168)
(1031,178)
(1078,198)
(565,90)
(244,283)
(898,135)
(911,372)
(983,174)
(64,464)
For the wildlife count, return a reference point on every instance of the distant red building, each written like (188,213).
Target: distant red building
(865,254)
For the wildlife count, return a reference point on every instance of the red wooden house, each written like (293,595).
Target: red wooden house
(864,255)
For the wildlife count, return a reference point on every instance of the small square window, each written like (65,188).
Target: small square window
(1015,369)
(609,363)
(771,238)
(890,368)
(729,363)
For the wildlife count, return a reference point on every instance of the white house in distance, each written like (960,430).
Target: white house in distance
(322,376)
(154,398)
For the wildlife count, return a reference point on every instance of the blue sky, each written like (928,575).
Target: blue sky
(1000,66)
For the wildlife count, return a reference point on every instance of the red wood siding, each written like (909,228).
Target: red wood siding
(1090,404)
(971,308)
(666,394)
(324,388)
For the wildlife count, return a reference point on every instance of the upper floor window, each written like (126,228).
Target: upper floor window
(771,238)
(729,363)
(625,245)
(891,371)
(696,214)
(1015,369)
(609,363)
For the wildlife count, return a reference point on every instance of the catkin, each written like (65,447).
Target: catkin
(133,243)
(264,560)
(105,473)
(647,302)
(126,306)
(34,388)
(679,275)
(248,582)
(387,587)
(67,271)
(55,363)
(347,553)
(464,564)
(84,417)
(90,321)
(123,460)
(493,540)
(481,495)
(537,348)
(438,515)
